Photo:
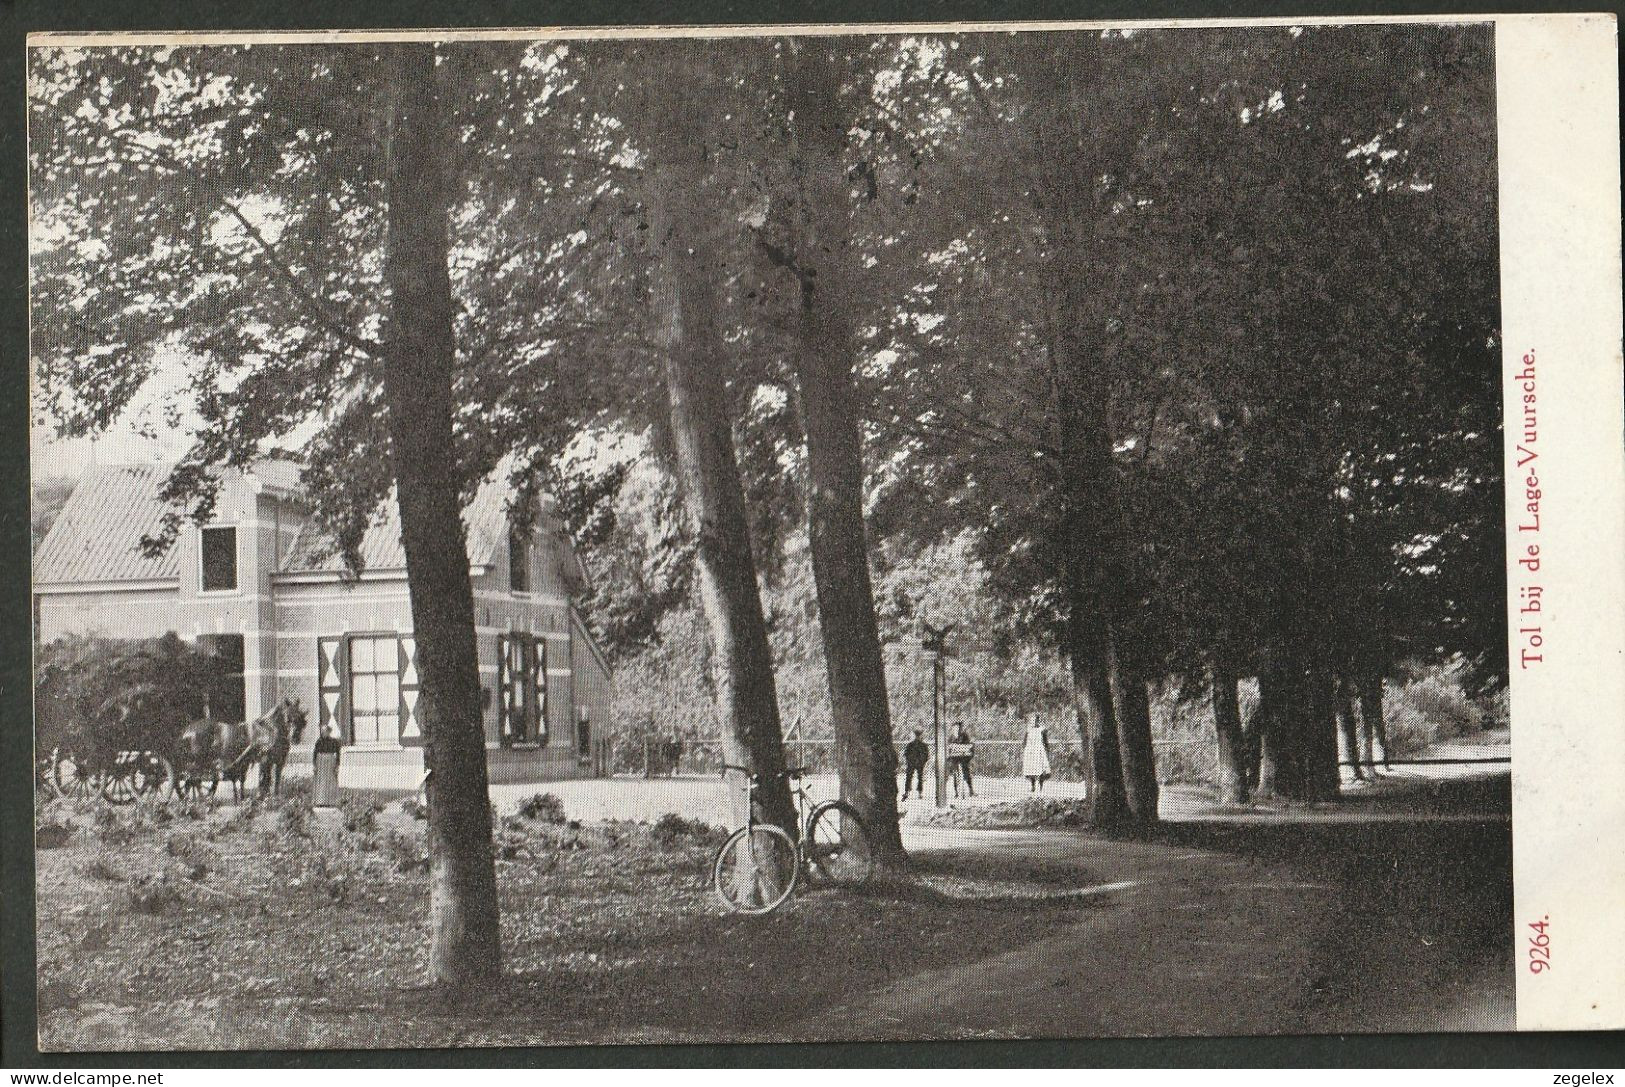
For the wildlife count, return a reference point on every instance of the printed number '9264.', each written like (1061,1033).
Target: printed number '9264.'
(1540,946)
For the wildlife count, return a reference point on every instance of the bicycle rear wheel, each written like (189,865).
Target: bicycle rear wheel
(838,847)
(756,869)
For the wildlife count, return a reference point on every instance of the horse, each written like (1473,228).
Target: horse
(238,737)
(273,735)
(234,746)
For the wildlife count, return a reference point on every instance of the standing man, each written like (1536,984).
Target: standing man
(915,755)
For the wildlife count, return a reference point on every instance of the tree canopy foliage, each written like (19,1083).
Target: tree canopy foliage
(1184,341)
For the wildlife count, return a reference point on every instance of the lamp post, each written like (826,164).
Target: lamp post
(935,642)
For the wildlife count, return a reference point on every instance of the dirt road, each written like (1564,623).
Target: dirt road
(1285,926)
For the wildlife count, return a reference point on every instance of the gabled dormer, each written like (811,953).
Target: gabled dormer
(96,540)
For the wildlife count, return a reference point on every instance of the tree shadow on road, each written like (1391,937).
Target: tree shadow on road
(1422,937)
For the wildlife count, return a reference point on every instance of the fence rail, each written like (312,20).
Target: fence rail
(655,756)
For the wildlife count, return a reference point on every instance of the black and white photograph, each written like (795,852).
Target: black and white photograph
(597,538)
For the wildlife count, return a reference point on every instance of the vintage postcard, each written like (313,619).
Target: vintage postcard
(812,534)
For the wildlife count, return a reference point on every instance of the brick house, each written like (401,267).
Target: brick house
(255,582)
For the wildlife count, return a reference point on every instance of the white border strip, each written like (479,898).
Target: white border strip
(731,30)
(1558,127)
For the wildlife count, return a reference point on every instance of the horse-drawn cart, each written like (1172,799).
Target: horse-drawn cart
(122,765)
(118,775)
(122,719)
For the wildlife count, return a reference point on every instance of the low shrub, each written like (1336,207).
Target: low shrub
(100,868)
(1032,811)
(185,846)
(110,829)
(360,814)
(511,846)
(330,877)
(295,791)
(52,835)
(543,808)
(195,808)
(153,811)
(1431,705)
(53,825)
(406,853)
(293,821)
(54,994)
(242,816)
(414,807)
(672,829)
(155,894)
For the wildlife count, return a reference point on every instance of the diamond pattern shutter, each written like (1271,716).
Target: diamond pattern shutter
(512,671)
(331,666)
(504,692)
(411,723)
(538,687)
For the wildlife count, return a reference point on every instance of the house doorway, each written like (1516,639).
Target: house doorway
(228,691)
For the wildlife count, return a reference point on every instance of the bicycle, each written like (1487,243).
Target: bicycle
(760,864)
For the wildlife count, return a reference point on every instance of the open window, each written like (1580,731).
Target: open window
(217,559)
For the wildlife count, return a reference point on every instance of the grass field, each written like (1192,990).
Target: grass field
(268,926)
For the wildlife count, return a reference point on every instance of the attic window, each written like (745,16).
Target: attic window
(518,561)
(218,558)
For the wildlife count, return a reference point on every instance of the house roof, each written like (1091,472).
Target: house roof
(486,519)
(97,535)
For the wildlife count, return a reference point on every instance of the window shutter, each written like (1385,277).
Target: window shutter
(504,692)
(332,665)
(538,678)
(411,725)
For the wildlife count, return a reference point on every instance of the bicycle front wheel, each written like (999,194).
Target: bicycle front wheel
(756,869)
(838,847)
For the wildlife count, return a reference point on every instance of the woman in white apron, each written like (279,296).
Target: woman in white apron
(1035,756)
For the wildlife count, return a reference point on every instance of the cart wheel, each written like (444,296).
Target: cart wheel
(119,786)
(45,777)
(153,773)
(73,779)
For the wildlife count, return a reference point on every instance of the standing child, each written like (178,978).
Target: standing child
(1035,756)
(960,751)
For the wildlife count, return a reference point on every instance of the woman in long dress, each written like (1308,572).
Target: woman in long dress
(1035,756)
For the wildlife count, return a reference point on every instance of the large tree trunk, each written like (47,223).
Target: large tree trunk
(1348,727)
(1133,700)
(1371,716)
(821,258)
(1085,493)
(1094,571)
(1268,765)
(1282,770)
(465,936)
(1088,627)
(688,332)
(1232,745)
(1321,748)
